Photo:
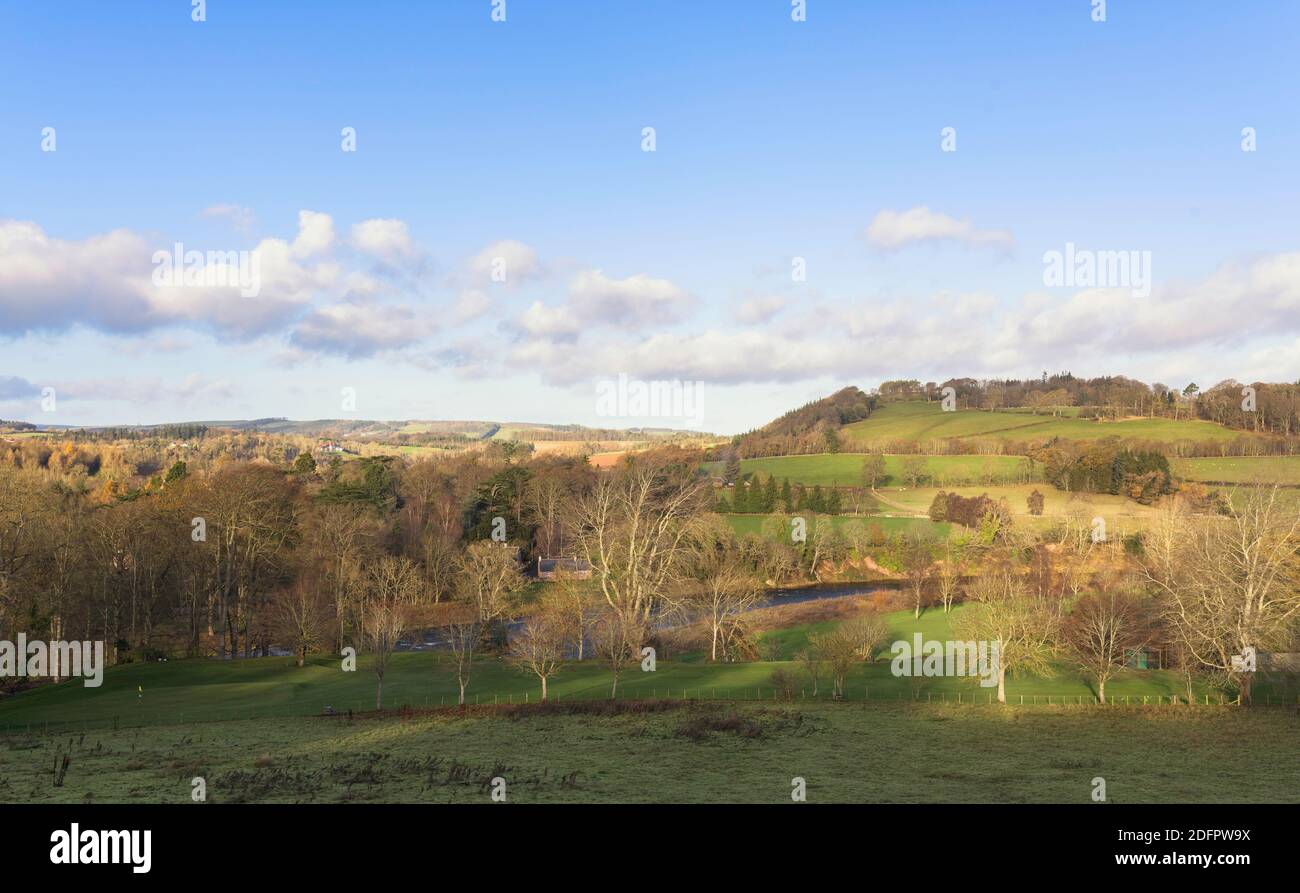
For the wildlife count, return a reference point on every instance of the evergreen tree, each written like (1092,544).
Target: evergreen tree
(834,504)
(740,498)
(731,468)
(769,494)
(787,500)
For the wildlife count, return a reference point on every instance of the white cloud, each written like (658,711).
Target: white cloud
(471,304)
(239,217)
(505,262)
(387,239)
(761,309)
(106,282)
(895,229)
(635,301)
(1204,328)
(361,330)
(315,234)
(550,322)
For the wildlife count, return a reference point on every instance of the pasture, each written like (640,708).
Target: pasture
(1056,503)
(845,469)
(187,691)
(747,524)
(1266,470)
(920,423)
(853,752)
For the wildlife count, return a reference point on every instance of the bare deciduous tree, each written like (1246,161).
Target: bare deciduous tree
(1228,583)
(719,588)
(538,647)
(1001,612)
(634,530)
(1102,629)
(301,616)
(487,577)
(845,646)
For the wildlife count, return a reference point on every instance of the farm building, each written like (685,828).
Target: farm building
(552,568)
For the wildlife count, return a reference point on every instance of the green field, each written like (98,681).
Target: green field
(689,732)
(205,690)
(1056,503)
(1240,470)
(747,524)
(856,752)
(845,469)
(922,422)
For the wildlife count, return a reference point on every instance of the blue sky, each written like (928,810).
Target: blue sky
(522,140)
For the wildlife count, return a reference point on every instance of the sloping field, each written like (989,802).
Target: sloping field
(845,469)
(746,524)
(1240,470)
(1055,502)
(921,422)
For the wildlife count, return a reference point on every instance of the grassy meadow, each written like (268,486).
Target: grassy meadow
(1265,470)
(747,524)
(920,422)
(683,752)
(186,691)
(845,469)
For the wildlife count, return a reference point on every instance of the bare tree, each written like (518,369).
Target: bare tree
(634,530)
(811,660)
(1228,583)
(719,588)
(847,645)
(393,589)
(1001,612)
(301,616)
(1101,631)
(487,577)
(578,605)
(617,641)
(917,559)
(538,647)
(948,578)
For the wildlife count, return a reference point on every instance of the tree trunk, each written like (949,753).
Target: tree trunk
(543,689)
(1002,685)
(379,694)
(1101,689)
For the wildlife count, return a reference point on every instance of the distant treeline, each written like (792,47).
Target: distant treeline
(181,431)
(1260,407)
